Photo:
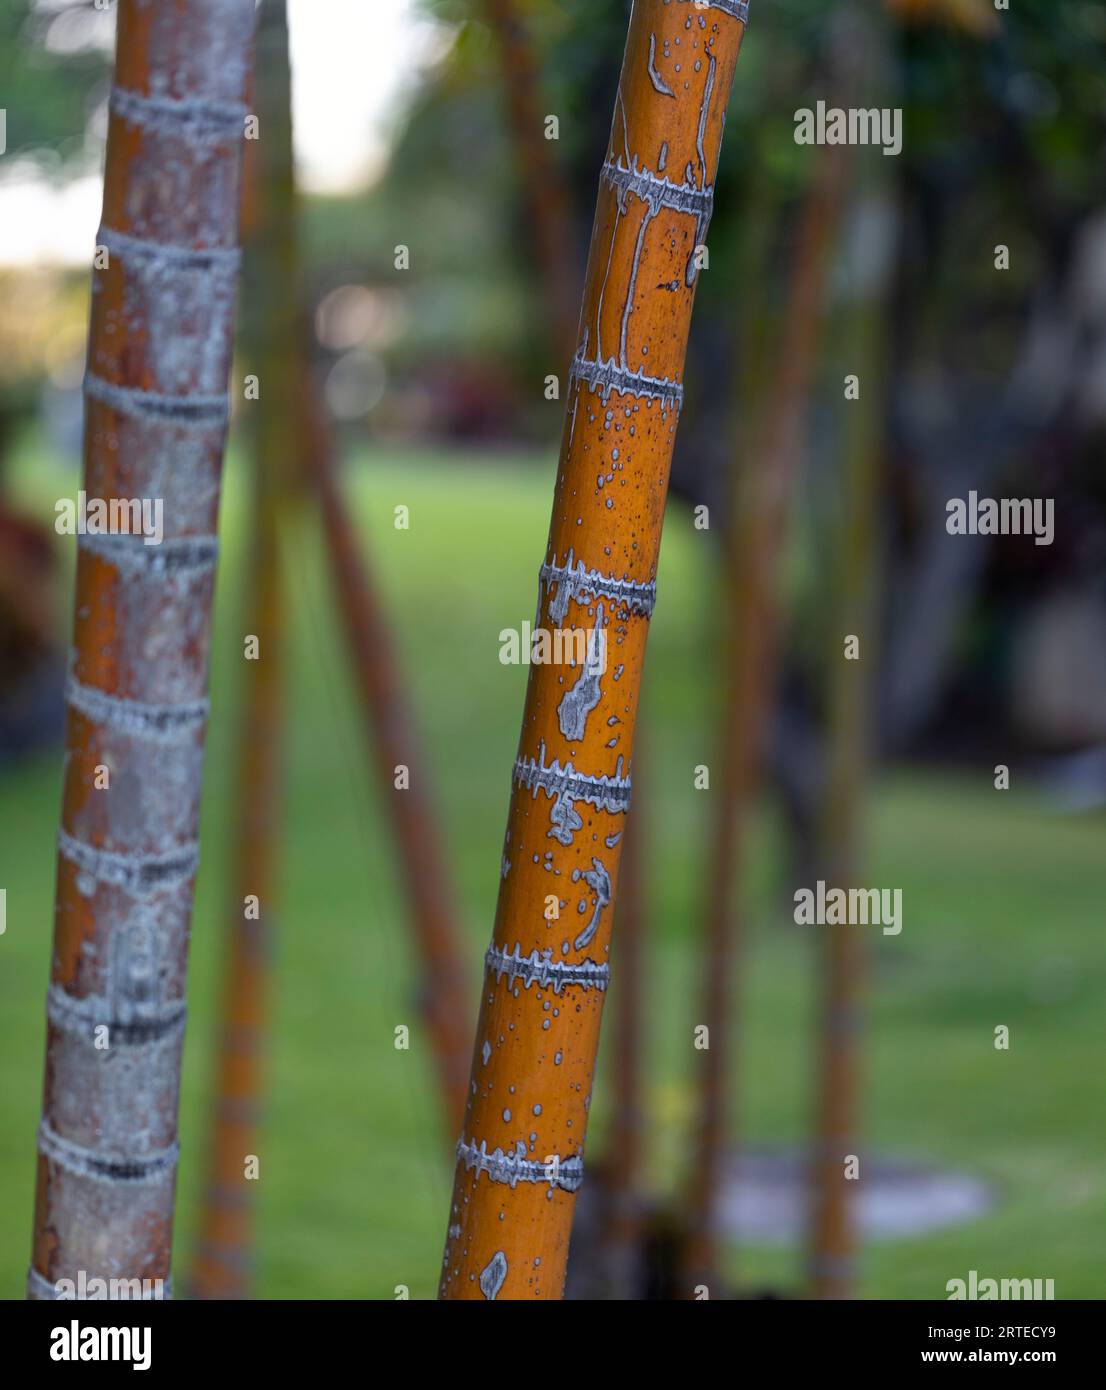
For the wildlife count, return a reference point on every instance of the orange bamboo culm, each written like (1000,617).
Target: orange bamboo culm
(155,428)
(762,507)
(224,1264)
(520,1157)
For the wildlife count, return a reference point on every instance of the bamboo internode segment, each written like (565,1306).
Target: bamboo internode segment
(155,425)
(520,1159)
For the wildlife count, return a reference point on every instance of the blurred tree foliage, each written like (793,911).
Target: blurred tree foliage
(53,76)
(1005,138)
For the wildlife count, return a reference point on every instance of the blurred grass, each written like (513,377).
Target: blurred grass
(1002,925)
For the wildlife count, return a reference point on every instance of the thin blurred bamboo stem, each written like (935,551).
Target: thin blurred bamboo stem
(625,1216)
(546,193)
(225,1256)
(762,501)
(841,950)
(444,999)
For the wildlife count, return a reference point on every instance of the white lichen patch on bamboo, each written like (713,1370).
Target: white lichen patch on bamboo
(599,881)
(572,582)
(582,698)
(654,76)
(539,968)
(503,1166)
(492,1276)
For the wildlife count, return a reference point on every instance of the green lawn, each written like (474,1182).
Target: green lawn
(1002,911)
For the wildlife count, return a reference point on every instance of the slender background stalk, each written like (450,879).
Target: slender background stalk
(225,1257)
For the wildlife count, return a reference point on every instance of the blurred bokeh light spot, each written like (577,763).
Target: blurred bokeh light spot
(354,316)
(356,384)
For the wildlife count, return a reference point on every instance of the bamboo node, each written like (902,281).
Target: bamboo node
(131,554)
(207,121)
(88,1163)
(126,244)
(658,192)
(158,723)
(199,412)
(79,1018)
(513,1168)
(566,785)
(538,968)
(138,874)
(573,581)
(607,376)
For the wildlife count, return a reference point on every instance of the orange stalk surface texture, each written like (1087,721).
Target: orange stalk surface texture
(155,427)
(520,1158)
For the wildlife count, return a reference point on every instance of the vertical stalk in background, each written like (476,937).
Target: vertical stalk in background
(840,947)
(840,976)
(545,188)
(625,1215)
(444,1000)
(520,1158)
(225,1260)
(156,414)
(762,500)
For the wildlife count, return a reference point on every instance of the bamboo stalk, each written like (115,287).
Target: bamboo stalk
(763,492)
(224,1265)
(155,427)
(444,1001)
(520,1158)
(625,1217)
(841,950)
(861,55)
(545,190)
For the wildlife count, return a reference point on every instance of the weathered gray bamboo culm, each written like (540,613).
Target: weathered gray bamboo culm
(156,409)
